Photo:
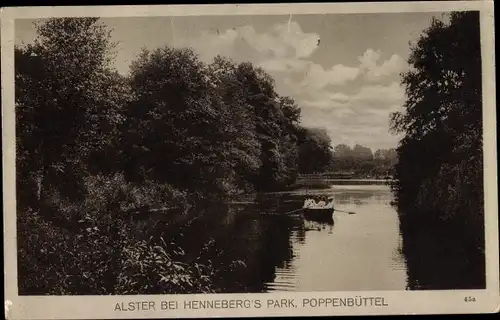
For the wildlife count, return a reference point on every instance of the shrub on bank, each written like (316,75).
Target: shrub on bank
(93,251)
(147,268)
(114,192)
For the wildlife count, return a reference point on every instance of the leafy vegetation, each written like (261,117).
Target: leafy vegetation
(361,162)
(317,142)
(439,176)
(94,145)
(97,150)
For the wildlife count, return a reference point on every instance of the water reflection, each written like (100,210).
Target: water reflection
(267,245)
(318,225)
(438,259)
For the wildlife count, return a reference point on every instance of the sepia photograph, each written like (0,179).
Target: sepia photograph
(249,154)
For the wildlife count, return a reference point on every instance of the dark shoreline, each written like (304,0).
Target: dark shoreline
(327,183)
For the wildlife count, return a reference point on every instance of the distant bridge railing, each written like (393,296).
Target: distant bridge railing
(335,175)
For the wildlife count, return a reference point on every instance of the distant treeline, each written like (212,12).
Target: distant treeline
(361,162)
(439,174)
(342,161)
(92,143)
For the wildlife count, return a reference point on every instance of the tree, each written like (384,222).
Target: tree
(215,129)
(361,152)
(442,118)
(289,147)
(92,144)
(387,157)
(68,112)
(379,154)
(392,156)
(177,129)
(439,170)
(315,150)
(61,106)
(342,151)
(276,122)
(244,147)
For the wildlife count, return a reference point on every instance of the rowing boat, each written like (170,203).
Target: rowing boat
(318,210)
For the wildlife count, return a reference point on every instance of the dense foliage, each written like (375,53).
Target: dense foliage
(314,142)
(93,144)
(361,162)
(439,176)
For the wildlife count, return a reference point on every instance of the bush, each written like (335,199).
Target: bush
(53,260)
(113,192)
(147,268)
(94,251)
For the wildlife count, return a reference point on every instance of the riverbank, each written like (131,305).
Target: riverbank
(106,242)
(182,138)
(325,183)
(261,248)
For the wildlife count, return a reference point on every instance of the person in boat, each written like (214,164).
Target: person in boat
(310,203)
(321,202)
(330,200)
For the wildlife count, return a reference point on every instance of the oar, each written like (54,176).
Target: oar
(289,212)
(294,211)
(349,212)
(243,202)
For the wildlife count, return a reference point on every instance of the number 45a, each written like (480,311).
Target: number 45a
(470,299)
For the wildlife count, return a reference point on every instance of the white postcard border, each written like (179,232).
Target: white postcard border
(398,302)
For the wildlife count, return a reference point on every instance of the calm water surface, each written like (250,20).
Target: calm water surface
(282,251)
(356,252)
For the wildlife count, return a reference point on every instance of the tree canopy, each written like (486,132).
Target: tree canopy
(67,103)
(94,145)
(442,121)
(439,176)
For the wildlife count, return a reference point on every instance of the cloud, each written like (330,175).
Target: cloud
(285,65)
(379,93)
(337,96)
(339,74)
(367,97)
(369,59)
(373,71)
(323,104)
(368,66)
(283,48)
(345,126)
(292,35)
(394,65)
(358,117)
(282,41)
(352,102)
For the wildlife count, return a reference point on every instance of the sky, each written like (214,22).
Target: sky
(343,70)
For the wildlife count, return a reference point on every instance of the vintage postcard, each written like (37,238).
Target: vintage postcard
(249,160)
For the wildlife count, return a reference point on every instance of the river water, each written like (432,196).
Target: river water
(264,248)
(360,251)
